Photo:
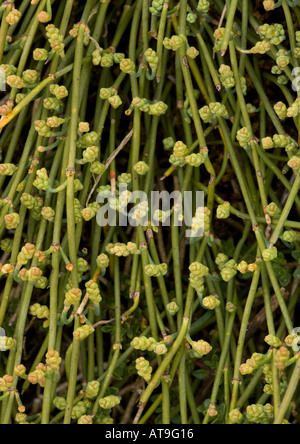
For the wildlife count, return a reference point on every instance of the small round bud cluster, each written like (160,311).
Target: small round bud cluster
(259,414)
(78,410)
(13,17)
(141,168)
(281,110)
(219,36)
(15,81)
(115,101)
(122,250)
(20,371)
(269,254)
(9,70)
(6,108)
(42,128)
(273,209)
(40,54)
(107,59)
(191,17)
(244,137)
(44,17)
(48,214)
(226,76)
(53,360)
(39,311)
(221,260)
(197,273)
(103,261)
(282,59)
(281,356)
(294,163)
(38,376)
(273,341)
(97,168)
(7,269)
(90,212)
(89,155)
(251,108)
(290,339)
(152,270)
(6,245)
(106,420)
(52,103)
(269,5)
(75,30)
(195,159)
(267,143)
(127,66)
(56,40)
(93,292)
(30,76)
(291,236)
(6,382)
(201,222)
(89,139)
(180,149)
(203,6)
(7,343)
(85,419)
(59,91)
(192,52)
(7,169)
(42,180)
(97,57)
(209,113)
(294,109)
(243,267)
(21,418)
(252,364)
(154,109)
(143,343)
(261,47)
(223,211)
(175,42)
(275,33)
(59,403)
(152,58)
(92,389)
(158,109)
(177,161)
(83,332)
(28,201)
(143,368)
(12,221)
(235,416)
(172,308)
(156,6)
(228,270)
(72,297)
(107,93)
(109,402)
(202,348)
(211,302)
(55,122)
(168,143)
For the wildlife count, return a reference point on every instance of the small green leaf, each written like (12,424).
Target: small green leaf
(201,374)
(296,274)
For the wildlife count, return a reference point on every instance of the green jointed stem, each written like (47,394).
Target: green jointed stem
(70,209)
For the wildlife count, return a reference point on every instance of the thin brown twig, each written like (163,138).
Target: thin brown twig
(109,161)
